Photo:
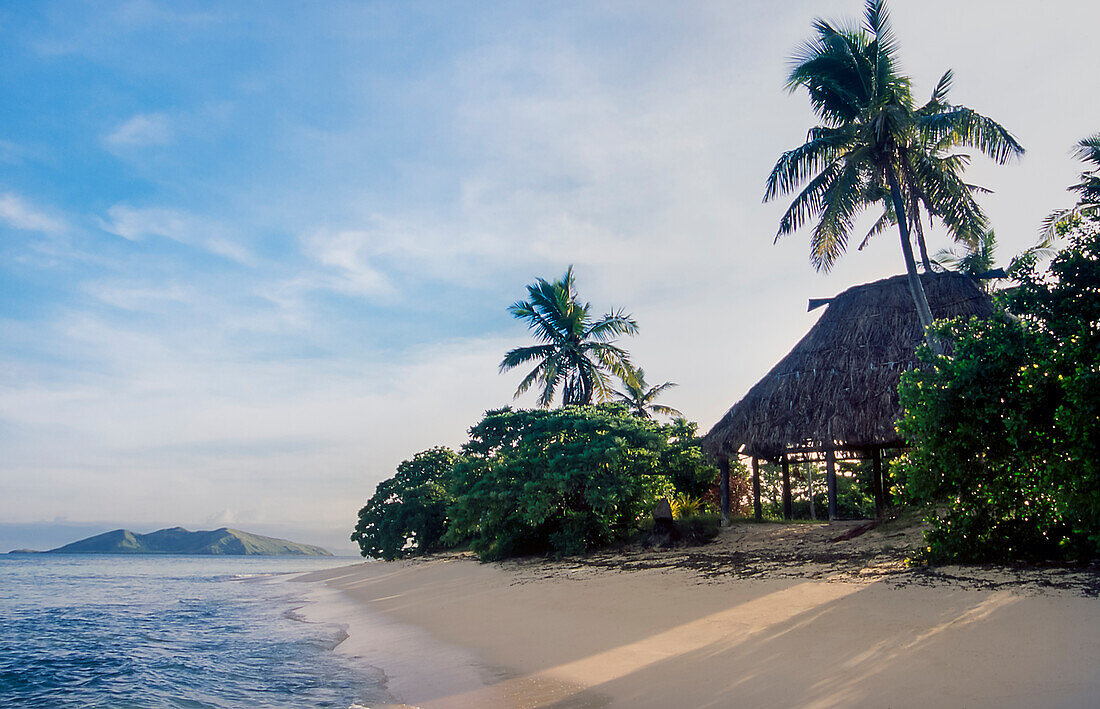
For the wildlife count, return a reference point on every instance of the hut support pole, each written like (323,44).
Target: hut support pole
(724,483)
(757,510)
(830,480)
(786,487)
(885,487)
(810,488)
(876,477)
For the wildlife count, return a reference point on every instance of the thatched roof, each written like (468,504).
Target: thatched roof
(838,386)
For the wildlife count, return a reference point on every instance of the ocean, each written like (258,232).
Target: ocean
(169,631)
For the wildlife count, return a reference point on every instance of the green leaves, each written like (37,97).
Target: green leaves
(871,124)
(562,481)
(407,513)
(576,354)
(1006,428)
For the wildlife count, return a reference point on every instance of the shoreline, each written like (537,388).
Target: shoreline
(646,629)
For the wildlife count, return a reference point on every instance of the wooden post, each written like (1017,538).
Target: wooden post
(724,483)
(830,480)
(810,488)
(885,487)
(757,510)
(876,477)
(786,488)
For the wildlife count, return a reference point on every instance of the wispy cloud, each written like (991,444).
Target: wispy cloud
(16,212)
(134,224)
(350,255)
(141,130)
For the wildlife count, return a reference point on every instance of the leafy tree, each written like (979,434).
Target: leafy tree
(876,147)
(1063,307)
(575,352)
(982,425)
(407,515)
(1006,428)
(690,471)
(639,396)
(561,481)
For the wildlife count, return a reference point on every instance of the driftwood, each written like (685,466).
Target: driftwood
(857,531)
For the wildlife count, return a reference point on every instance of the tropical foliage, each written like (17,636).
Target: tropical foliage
(1087,151)
(977,257)
(575,352)
(1006,430)
(529,481)
(877,147)
(640,396)
(561,481)
(407,514)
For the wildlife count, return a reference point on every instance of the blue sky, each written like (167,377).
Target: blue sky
(252,255)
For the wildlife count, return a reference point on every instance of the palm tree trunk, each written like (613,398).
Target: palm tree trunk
(924,313)
(925,261)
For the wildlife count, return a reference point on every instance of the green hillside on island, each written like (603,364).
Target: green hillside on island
(177,540)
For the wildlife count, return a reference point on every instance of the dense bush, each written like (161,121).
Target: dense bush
(1006,427)
(407,514)
(561,481)
(690,471)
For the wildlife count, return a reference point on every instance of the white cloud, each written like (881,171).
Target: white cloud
(351,255)
(135,224)
(17,213)
(141,130)
(137,296)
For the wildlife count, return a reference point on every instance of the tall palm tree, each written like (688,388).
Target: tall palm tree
(1087,151)
(639,396)
(876,147)
(575,352)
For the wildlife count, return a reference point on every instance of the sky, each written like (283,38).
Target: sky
(253,255)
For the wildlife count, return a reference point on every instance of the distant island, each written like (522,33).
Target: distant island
(177,540)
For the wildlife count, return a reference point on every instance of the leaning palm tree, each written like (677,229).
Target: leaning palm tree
(574,352)
(1087,151)
(639,396)
(875,146)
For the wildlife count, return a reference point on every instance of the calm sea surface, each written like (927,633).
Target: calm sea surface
(168,631)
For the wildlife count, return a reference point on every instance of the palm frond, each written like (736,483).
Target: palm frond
(970,128)
(666,411)
(612,324)
(521,355)
(840,203)
(796,165)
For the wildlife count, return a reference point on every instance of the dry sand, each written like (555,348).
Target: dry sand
(766,616)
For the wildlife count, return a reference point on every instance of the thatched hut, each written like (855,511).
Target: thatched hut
(835,393)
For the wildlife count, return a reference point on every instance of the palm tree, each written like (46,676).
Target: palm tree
(639,396)
(977,257)
(876,147)
(1087,151)
(575,352)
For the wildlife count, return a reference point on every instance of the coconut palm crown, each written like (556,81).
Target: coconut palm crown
(575,352)
(639,396)
(1087,151)
(876,147)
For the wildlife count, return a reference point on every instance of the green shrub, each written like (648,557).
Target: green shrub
(561,481)
(1006,427)
(691,471)
(407,514)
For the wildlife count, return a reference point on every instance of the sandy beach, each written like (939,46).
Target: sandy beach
(766,616)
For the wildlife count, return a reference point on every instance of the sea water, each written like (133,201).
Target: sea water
(169,631)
